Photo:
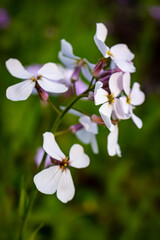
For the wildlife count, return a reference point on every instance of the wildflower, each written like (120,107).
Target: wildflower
(73,62)
(57,178)
(109,100)
(112,143)
(134,98)
(86,131)
(43,79)
(119,53)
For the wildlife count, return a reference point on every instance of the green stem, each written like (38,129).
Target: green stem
(53,106)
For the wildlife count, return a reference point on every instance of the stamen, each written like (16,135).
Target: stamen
(109,53)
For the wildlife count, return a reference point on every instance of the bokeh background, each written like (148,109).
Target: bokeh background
(116,198)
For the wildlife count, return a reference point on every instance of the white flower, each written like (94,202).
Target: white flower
(58,178)
(73,62)
(87,133)
(45,76)
(112,143)
(109,101)
(119,53)
(134,97)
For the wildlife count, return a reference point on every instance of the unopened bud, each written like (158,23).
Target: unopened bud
(76,127)
(97,119)
(75,74)
(91,96)
(43,94)
(99,66)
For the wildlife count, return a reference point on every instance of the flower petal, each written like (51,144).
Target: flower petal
(100,95)
(77,157)
(126,82)
(137,96)
(138,122)
(100,37)
(94,144)
(51,147)
(48,179)
(68,62)
(88,124)
(51,71)
(125,105)
(83,136)
(112,142)
(86,73)
(66,189)
(101,31)
(20,91)
(106,111)
(66,49)
(51,86)
(125,66)
(122,52)
(17,70)
(115,83)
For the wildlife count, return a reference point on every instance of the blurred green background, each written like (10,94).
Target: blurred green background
(116,198)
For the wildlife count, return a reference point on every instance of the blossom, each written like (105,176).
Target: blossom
(134,98)
(119,53)
(86,131)
(57,178)
(71,61)
(43,79)
(112,143)
(108,99)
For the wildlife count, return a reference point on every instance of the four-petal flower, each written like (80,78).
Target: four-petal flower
(58,177)
(44,78)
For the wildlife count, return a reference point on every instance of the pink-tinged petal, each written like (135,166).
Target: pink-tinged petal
(100,37)
(125,66)
(101,31)
(119,110)
(88,124)
(94,144)
(115,83)
(68,62)
(126,82)
(17,70)
(48,179)
(106,111)
(51,71)
(112,147)
(20,91)
(66,189)
(77,157)
(83,136)
(86,73)
(136,120)
(100,95)
(122,52)
(137,96)
(51,86)
(80,86)
(66,49)
(51,147)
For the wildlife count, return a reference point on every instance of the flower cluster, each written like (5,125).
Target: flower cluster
(108,89)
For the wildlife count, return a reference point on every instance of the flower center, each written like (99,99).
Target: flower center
(62,164)
(109,53)
(110,98)
(35,79)
(128,100)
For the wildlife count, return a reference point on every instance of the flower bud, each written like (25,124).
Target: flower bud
(97,119)
(76,127)
(42,94)
(75,74)
(99,66)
